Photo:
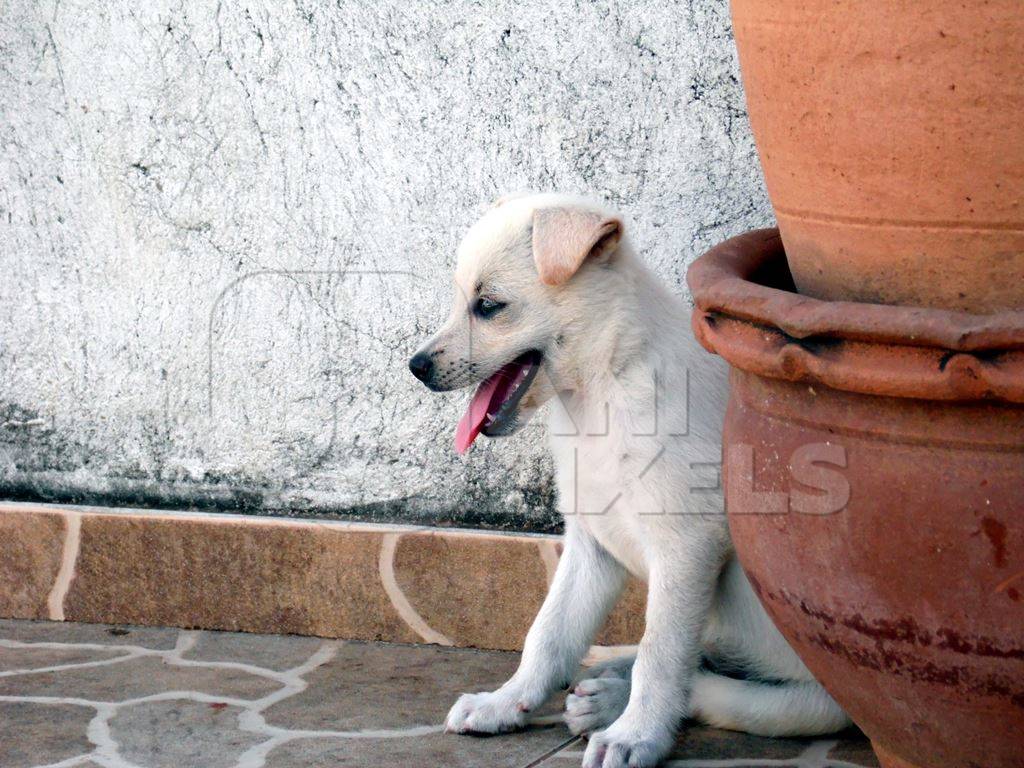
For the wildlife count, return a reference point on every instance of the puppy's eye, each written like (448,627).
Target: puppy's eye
(486,307)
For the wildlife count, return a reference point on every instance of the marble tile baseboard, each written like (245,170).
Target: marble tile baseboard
(275,575)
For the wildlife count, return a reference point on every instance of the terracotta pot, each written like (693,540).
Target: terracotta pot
(874,476)
(892,138)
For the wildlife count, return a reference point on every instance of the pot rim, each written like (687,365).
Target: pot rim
(722,280)
(873,349)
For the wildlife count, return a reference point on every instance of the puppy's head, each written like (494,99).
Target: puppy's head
(528,294)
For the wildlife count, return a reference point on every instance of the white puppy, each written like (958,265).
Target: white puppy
(552,304)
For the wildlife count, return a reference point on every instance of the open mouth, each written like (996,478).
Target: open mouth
(494,404)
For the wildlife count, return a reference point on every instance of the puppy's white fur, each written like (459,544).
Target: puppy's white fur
(635,429)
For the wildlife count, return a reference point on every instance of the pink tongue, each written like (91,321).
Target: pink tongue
(488,397)
(473,419)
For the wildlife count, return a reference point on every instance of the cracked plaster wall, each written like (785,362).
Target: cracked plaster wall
(225,225)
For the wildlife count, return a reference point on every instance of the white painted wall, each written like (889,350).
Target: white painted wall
(225,225)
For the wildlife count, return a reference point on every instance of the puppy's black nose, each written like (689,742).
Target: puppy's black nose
(421,366)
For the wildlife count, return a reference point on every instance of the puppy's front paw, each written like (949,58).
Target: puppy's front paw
(494,712)
(624,745)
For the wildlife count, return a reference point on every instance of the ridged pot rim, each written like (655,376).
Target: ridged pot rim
(875,349)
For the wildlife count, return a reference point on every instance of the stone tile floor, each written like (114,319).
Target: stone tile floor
(122,697)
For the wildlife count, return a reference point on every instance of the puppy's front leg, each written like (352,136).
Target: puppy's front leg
(679,594)
(586,584)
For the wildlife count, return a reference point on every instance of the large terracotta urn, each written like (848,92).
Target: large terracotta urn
(891,133)
(874,478)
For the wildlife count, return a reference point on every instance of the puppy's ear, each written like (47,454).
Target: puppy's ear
(563,238)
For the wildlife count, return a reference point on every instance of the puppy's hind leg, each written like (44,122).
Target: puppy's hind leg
(599,696)
(793,708)
(617,666)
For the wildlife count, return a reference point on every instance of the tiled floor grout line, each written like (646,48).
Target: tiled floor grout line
(172,656)
(77,665)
